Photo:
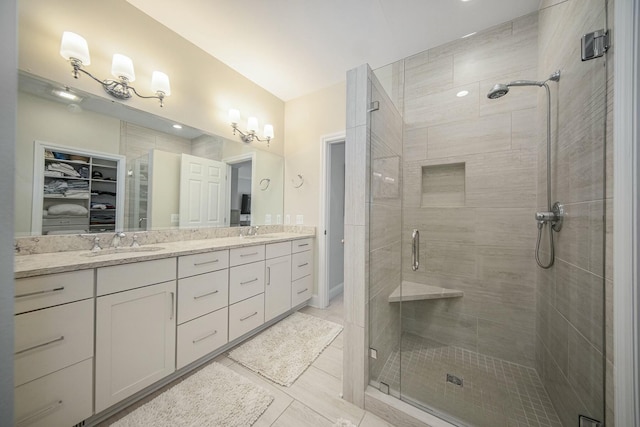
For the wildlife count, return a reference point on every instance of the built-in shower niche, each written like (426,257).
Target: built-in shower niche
(443,185)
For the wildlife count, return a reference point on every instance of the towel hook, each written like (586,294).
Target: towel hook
(301,181)
(264,183)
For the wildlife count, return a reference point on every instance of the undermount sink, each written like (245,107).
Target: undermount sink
(124,250)
(260,236)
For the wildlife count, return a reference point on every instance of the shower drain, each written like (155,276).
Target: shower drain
(454,380)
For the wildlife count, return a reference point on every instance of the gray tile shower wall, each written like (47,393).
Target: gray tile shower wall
(483,243)
(573,327)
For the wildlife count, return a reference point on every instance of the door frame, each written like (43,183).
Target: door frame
(321,300)
(234,160)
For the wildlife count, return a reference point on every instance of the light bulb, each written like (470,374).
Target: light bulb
(74,46)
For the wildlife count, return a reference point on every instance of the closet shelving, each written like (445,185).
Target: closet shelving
(76,191)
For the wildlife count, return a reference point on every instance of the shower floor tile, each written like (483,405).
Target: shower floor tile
(494,393)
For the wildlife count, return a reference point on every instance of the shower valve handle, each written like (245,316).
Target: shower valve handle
(546,216)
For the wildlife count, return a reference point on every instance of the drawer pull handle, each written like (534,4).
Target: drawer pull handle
(173,297)
(197,264)
(303,291)
(268,276)
(60,338)
(247,317)
(39,413)
(249,281)
(206,295)
(303,244)
(47,291)
(302,265)
(210,334)
(251,254)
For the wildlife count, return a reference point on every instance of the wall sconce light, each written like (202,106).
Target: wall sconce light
(252,128)
(74,49)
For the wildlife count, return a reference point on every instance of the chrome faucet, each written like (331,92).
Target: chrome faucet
(115,243)
(96,244)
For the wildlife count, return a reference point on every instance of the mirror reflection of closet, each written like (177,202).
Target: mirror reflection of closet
(240,193)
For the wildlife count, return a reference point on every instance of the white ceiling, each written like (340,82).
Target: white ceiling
(295,47)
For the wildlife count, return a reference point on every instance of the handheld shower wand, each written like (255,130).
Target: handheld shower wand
(555,213)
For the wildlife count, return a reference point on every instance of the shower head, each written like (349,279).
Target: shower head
(501,89)
(498,91)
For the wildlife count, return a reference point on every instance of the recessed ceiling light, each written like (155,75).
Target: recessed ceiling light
(177,126)
(65,94)
(468,35)
(462,93)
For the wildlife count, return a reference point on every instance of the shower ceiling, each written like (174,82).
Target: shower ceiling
(295,47)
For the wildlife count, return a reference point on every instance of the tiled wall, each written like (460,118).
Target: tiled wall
(477,228)
(571,303)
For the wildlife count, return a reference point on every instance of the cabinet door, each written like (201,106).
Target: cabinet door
(277,293)
(135,341)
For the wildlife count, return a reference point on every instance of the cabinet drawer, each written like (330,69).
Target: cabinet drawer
(275,250)
(64,398)
(245,316)
(201,336)
(301,264)
(199,295)
(246,281)
(51,339)
(302,245)
(301,290)
(238,256)
(84,221)
(191,265)
(123,277)
(33,293)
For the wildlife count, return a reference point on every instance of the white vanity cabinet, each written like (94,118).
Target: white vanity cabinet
(53,362)
(277,291)
(301,271)
(246,290)
(135,328)
(203,298)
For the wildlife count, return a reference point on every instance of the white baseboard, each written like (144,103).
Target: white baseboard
(335,291)
(315,301)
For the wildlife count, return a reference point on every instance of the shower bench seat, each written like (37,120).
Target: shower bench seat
(417,291)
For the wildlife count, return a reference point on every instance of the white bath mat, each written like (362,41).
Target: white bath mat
(285,350)
(213,396)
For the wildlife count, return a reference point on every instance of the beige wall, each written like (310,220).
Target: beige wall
(48,121)
(203,88)
(309,119)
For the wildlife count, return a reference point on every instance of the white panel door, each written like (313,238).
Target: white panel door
(202,187)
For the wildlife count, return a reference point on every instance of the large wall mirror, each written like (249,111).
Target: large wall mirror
(155,153)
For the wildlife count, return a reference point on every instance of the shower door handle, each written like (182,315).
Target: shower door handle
(415,250)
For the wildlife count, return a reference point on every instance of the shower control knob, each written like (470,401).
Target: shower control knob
(545,216)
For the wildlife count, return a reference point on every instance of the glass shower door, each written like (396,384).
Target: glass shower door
(479,334)
(385,241)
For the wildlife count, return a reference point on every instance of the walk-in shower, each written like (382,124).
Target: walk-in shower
(461,322)
(553,217)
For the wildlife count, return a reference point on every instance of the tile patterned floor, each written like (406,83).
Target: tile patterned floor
(495,392)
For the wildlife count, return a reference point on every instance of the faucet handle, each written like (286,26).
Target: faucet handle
(96,244)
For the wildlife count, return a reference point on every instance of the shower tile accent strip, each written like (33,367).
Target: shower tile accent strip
(495,392)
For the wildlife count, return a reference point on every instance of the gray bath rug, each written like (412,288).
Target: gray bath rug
(214,396)
(285,350)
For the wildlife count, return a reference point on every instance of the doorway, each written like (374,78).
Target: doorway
(331,258)
(239,189)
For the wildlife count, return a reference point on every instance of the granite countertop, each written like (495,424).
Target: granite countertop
(59,262)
